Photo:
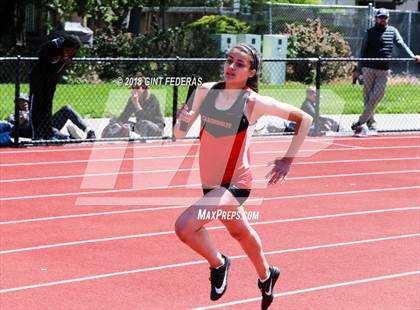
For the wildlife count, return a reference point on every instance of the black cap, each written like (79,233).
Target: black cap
(64,39)
(71,41)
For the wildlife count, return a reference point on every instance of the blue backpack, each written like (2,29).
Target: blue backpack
(5,131)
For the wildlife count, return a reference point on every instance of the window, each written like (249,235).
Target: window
(30,18)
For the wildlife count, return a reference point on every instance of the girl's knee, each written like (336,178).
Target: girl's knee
(66,108)
(179,229)
(182,229)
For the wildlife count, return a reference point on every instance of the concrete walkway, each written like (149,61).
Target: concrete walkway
(385,122)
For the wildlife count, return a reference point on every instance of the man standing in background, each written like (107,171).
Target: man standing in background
(52,59)
(378,42)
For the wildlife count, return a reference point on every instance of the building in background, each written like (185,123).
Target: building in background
(403,5)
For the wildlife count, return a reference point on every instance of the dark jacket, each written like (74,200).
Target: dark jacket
(25,129)
(43,82)
(50,63)
(150,112)
(378,42)
(50,58)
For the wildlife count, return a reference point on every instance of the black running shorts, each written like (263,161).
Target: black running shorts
(241,194)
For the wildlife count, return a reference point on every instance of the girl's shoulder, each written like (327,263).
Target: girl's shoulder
(255,98)
(203,90)
(207,85)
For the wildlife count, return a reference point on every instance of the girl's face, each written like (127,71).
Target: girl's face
(237,67)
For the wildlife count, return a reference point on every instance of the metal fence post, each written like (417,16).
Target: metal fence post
(175,98)
(318,90)
(17,112)
(371,13)
(270,18)
(409,37)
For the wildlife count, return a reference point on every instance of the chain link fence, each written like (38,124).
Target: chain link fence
(350,21)
(99,90)
(336,19)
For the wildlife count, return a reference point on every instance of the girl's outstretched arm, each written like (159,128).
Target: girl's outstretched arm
(264,105)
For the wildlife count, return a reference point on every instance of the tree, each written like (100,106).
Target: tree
(220,24)
(110,12)
(297,1)
(261,5)
(311,40)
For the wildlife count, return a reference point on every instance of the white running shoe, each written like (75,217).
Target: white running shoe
(73,132)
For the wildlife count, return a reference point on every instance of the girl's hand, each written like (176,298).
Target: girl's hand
(183,115)
(279,171)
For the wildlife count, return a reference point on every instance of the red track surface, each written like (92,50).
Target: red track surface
(79,229)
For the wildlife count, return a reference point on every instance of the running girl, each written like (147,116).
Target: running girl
(229,111)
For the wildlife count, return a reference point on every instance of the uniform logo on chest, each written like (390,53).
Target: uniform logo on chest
(216,122)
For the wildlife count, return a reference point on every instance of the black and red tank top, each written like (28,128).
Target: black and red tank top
(224,141)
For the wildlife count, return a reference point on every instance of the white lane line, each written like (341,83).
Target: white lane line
(195,169)
(172,266)
(51,218)
(105,213)
(166,143)
(343,193)
(278,153)
(256,140)
(142,146)
(357,139)
(197,185)
(340,144)
(314,289)
(170,232)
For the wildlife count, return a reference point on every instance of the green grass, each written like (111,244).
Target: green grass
(343,99)
(106,99)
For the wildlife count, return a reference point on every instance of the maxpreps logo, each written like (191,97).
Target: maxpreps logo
(204,214)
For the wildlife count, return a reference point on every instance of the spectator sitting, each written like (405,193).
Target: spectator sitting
(309,106)
(58,121)
(146,108)
(25,129)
